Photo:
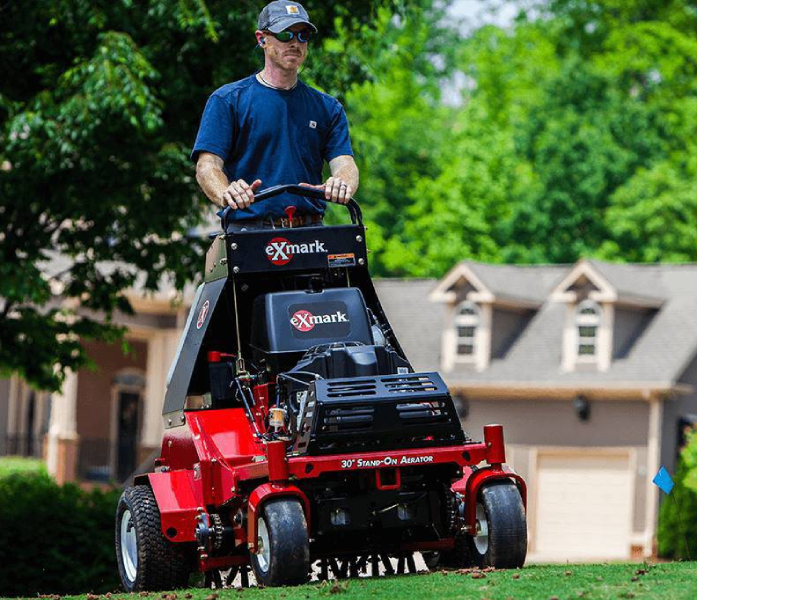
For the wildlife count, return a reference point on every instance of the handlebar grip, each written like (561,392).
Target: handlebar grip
(353,208)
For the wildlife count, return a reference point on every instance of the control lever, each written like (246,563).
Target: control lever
(290,210)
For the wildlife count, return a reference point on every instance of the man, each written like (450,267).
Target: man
(271,129)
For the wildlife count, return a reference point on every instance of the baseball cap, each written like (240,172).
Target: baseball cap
(281,14)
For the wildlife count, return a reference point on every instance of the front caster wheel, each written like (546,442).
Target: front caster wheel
(282,556)
(146,559)
(502,537)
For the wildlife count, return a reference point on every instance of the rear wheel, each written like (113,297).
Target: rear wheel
(282,556)
(146,559)
(502,536)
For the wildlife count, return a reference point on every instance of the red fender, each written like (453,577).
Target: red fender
(267,491)
(476,480)
(178,496)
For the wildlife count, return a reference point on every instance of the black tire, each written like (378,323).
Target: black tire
(505,546)
(287,560)
(460,557)
(159,564)
(432,560)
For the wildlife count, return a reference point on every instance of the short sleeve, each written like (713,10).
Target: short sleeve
(216,129)
(338,142)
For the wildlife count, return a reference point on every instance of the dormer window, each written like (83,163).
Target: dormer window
(466,321)
(587,320)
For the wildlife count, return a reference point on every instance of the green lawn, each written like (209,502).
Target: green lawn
(663,581)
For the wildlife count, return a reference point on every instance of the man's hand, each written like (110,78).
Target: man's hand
(336,190)
(239,194)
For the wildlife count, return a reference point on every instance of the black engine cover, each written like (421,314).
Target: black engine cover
(340,360)
(296,321)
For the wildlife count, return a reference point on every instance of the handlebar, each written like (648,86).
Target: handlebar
(353,208)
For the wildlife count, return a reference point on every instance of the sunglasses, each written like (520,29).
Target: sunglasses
(287,36)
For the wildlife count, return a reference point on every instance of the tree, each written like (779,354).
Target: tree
(398,123)
(653,217)
(99,106)
(545,159)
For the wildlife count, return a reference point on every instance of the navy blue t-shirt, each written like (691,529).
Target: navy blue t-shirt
(278,136)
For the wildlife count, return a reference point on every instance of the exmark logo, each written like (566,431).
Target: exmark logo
(280,250)
(303,320)
(201,318)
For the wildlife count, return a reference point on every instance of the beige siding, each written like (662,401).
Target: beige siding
(554,422)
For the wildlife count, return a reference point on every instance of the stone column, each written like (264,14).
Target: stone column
(62,434)
(161,349)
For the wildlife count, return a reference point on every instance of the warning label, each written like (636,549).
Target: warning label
(342,260)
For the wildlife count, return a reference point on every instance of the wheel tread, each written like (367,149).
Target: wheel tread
(508,532)
(289,545)
(162,565)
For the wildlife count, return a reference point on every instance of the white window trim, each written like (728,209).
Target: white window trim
(582,320)
(571,340)
(482,322)
(466,320)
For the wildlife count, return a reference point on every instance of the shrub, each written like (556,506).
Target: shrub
(17,464)
(55,539)
(677,522)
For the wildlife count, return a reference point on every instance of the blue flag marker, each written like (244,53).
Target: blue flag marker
(663,480)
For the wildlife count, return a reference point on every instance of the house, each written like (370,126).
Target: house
(592,370)
(590,367)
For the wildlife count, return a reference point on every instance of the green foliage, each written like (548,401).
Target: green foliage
(15,464)
(689,458)
(677,521)
(577,137)
(55,539)
(653,217)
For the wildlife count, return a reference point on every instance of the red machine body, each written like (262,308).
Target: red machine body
(214,461)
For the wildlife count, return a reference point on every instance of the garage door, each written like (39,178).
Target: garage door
(583,507)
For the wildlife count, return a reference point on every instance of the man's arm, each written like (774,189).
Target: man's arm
(343,182)
(215,184)
(344,179)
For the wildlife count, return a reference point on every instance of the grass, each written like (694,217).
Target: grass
(15,464)
(661,581)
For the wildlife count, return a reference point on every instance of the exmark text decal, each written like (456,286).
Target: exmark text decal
(326,320)
(303,320)
(280,250)
(389,461)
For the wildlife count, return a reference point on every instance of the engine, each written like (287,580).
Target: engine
(344,387)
